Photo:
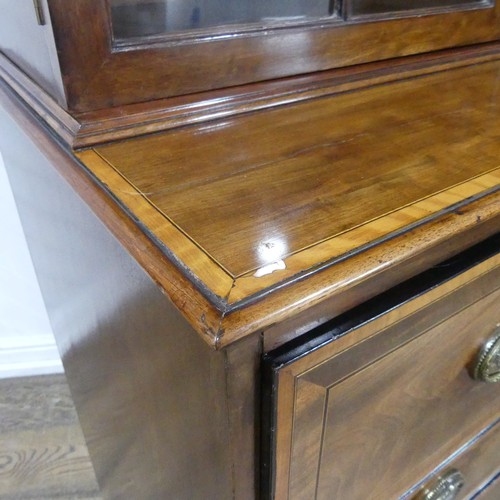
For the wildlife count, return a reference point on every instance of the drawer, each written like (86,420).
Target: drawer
(476,466)
(491,492)
(371,404)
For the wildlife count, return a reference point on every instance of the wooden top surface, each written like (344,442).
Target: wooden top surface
(247,206)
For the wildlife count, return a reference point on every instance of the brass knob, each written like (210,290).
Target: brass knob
(445,487)
(487,366)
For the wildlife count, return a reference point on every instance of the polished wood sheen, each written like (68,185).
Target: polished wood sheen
(327,189)
(402,390)
(135,366)
(306,184)
(477,461)
(101,73)
(224,309)
(93,127)
(307,196)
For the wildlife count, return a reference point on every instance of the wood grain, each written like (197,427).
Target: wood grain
(163,114)
(429,301)
(318,298)
(150,393)
(423,397)
(366,171)
(184,248)
(43,453)
(180,290)
(335,361)
(39,101)
(185,181)
(93,127)
(432,378)
(478,463)
(352,281)
(100,75)
(304,184)
(311,404)
(243,391)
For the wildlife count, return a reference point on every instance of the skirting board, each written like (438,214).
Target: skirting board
(27,346)
(28,355)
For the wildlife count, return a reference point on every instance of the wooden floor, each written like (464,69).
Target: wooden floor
(42,451)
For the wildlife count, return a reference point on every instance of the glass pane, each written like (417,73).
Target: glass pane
(362,7)
(136,18)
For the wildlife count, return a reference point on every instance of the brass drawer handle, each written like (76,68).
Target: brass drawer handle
(445,487)
(487,366)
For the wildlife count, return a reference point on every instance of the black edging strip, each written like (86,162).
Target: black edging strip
(261,294)
(220,303)
(290,352)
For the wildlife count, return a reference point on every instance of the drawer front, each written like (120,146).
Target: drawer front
(491,492)
(477,465)
(372,412)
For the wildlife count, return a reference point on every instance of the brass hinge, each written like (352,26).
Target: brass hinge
(40,16)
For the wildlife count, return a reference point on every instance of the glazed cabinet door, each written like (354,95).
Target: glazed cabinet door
(117,52)
(374,404)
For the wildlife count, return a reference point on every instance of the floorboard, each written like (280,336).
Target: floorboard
(42,450)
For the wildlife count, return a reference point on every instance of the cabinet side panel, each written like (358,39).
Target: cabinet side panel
(150,394)
(243,392)
(30,45)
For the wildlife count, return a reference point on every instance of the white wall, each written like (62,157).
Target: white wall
(27,345)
